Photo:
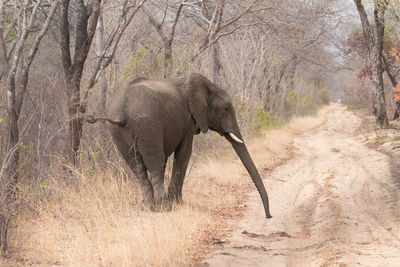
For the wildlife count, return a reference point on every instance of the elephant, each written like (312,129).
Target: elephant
(151,119)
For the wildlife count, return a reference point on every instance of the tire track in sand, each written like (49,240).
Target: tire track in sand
(334,204)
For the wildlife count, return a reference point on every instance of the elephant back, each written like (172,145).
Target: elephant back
(149,100)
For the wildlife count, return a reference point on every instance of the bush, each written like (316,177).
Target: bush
(263,120)
(324,96)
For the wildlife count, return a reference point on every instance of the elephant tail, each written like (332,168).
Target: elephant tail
(92,119)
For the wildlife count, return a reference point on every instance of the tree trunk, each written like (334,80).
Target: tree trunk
(14,103)
(100,50)
(377,68)
(215,64)
(374,43)
(168,60)
(4,64)
(267,97)
(75,120)
(10,176)
(13,136)
(85,28)
(167,40)
(389,73)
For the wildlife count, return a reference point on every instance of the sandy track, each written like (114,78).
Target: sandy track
(334,204)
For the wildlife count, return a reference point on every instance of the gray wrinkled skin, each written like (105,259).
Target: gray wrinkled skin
(151,119)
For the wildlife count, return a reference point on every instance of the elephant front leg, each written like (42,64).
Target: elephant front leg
(175,186)
(181,160)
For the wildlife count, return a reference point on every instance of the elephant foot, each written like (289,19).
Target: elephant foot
(176,199)
(179,201)
(147,206)
(164,205)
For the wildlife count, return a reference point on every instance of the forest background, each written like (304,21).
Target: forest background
(62,60)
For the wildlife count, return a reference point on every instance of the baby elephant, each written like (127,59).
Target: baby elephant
(151,119)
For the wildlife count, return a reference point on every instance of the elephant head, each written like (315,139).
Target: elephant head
(211,108)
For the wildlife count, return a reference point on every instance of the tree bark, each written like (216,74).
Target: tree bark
(215,64)
(389,73)
(374,40)
(168,63)
(167,41)
(75,120)
(4,64)
(100,50)
(86,22)
(15,100)
(13,134)
(377,67)
(215,26)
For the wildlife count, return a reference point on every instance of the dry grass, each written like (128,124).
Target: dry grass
(99,223)
(96,220)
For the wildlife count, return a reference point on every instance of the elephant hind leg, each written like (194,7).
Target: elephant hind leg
(153,157)
(138,168)
(136,164)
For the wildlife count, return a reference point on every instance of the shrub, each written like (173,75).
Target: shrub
(263,120)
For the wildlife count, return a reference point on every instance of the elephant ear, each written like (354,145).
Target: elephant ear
(198,88)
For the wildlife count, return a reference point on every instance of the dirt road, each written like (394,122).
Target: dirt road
(334,204)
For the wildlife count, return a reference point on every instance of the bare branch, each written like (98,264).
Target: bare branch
(386,67)
(165,13)
(11,48)
(217,26)
(365,23)
(178,13)
(156,26)
(109,52)
(236,18)
(31,55)
(5,65)
(214,17)
(202,18)
(219,36)
(12,24)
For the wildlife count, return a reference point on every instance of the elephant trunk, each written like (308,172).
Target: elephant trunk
(241,151)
